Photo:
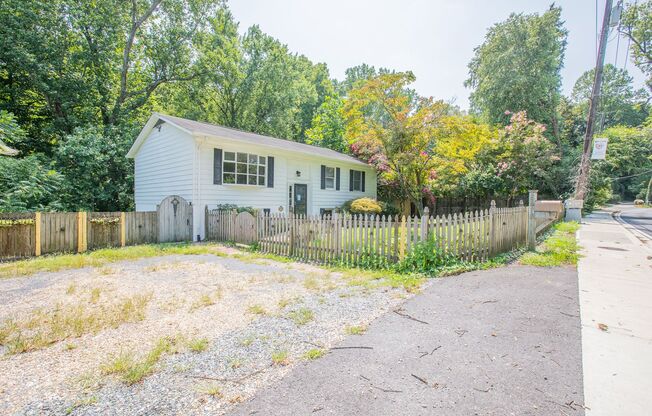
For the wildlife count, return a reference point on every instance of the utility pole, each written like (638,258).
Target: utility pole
(582,182)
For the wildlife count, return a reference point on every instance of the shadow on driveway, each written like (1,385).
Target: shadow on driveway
(496,342)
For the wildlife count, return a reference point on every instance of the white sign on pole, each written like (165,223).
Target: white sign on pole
(599,148)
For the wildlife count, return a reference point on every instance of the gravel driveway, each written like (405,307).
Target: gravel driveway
(258,318)
(498,342)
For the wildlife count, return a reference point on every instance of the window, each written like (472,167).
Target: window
(326,212)
(357,179)
(244,169)
(329,178)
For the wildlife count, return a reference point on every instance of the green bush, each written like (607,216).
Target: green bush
(363,206)
(426,258)
(232,207)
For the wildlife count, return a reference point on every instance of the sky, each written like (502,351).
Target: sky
(434,39)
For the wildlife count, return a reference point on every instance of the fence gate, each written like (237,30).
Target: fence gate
(174,219)
(245,228)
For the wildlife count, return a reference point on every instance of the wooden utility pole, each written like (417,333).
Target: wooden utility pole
(582,182)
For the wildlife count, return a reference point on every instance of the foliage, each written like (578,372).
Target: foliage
(425,257)
(517,68)
(393,131)
(328,127)
(619,104)
(10,133)
(26,184)
(622,172)
(237,208)
(364,206)
(636,24)
(557,250)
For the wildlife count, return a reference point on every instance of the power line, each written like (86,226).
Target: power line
(617,178)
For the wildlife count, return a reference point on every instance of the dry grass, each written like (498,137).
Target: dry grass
(212,390)
(280,357)
(256,310)
(130,370)
(40,329)
(301,316)
(102,257)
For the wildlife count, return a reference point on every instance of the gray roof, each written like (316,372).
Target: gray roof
(200,128)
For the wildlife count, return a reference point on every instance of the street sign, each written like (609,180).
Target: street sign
(599,148)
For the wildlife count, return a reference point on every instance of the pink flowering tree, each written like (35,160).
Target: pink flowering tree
(525,155)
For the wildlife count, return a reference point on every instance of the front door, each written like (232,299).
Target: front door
(300,199)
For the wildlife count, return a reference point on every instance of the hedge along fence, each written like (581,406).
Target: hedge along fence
(354,239)
(36,233)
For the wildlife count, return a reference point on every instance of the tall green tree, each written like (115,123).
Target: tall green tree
(619,103)
(636,25)
(328,126)
(517,68)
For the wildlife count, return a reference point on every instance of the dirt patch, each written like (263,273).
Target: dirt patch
(251,308)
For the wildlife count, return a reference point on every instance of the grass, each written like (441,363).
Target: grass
(280,357)
(40,329)
(213,390)
(95,294)
(197,345)
(378,278)
(314,354)
(247,341)
(202,301)
(559,249)
(356,330)
(301,316)
(102,257)
(87,401)
(132,371)
(256,310)
(311,283)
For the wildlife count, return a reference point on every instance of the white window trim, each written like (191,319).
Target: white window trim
(258,165)
(326,177)
(359,174)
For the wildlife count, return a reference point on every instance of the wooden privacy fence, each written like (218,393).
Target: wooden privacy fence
(471,236)
(35,233)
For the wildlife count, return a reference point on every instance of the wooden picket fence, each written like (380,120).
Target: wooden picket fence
(36,233)
(353,239)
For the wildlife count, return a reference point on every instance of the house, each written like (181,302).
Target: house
(210,165)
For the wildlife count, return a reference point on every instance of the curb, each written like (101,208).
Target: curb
(642,237)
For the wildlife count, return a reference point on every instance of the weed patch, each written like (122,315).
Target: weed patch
(132,371)
(356,330)
(198,345)
(280,357)
(256,310)
(314,354)
(101,257)
(559,249)
(42,328)
(301,316)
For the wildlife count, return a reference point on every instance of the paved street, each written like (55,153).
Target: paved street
(638,218)
(498,342)
(615,281)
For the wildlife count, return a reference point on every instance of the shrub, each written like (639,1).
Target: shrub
(363,206)
(388,209)
(426,258)
(232,207)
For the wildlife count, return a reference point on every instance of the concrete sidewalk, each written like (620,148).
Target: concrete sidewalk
(497,342)
(615,282)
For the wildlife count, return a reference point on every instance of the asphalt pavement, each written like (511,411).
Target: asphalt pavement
(638,218)
(497,342)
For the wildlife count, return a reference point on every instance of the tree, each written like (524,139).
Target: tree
(251,82)
(619,104)
(28,184)
(636,25)
(386,128)
(328,126)
(517,68)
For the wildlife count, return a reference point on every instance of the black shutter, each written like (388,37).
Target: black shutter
(337,179)
(270,171)
(350,179)
(363,181)
(217,166)
(323,177)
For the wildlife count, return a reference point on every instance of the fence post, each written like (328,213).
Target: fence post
(82,234)
(292,223)
(123,229)
(424,224)
(403,236)
(492,228)
(37,233)
(205,222)
(531,221)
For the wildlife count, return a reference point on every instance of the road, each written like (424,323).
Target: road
(496,342)
(638,218)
